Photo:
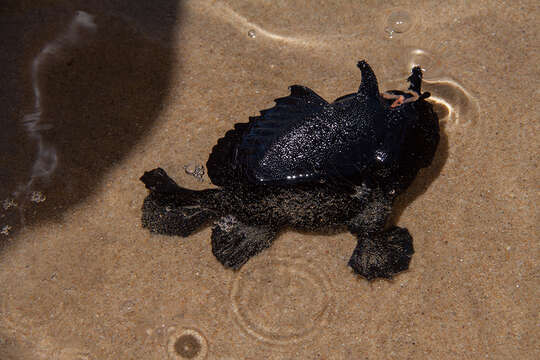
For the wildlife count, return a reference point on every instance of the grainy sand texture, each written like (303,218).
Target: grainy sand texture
(94,93)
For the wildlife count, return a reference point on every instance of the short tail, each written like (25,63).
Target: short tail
(170,209)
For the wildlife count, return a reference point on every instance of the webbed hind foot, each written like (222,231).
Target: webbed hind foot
(382,255)
(234,243)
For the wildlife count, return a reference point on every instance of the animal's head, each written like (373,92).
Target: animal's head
(412,126)
(421,135)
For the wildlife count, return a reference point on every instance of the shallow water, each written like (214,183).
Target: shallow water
(95,95)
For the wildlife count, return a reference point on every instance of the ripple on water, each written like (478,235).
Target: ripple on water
(37,197)
(73,354)
(281,301)
(454,104)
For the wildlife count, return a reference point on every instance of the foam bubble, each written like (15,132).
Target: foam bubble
(398,22)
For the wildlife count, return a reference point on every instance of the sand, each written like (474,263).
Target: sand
(92,99)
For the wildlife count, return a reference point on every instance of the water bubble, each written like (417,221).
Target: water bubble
(9,203)
(398,22)
(127,307)
(5,230)
(187,344)
(431,65)
(37,197)
(195,170)
(252,33)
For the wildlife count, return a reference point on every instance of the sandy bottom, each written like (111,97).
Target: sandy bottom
(92,99)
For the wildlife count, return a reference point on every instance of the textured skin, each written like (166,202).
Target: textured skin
(311,165)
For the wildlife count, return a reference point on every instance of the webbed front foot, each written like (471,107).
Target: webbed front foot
(234,243)
(382,255)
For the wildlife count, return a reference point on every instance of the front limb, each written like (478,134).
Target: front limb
(379,253)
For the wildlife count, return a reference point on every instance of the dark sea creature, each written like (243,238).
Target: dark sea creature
(311,165)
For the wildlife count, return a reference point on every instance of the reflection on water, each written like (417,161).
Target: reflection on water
(454,104)
(463,108)
(46,158)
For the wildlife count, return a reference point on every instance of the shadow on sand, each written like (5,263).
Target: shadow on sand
(101,83)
